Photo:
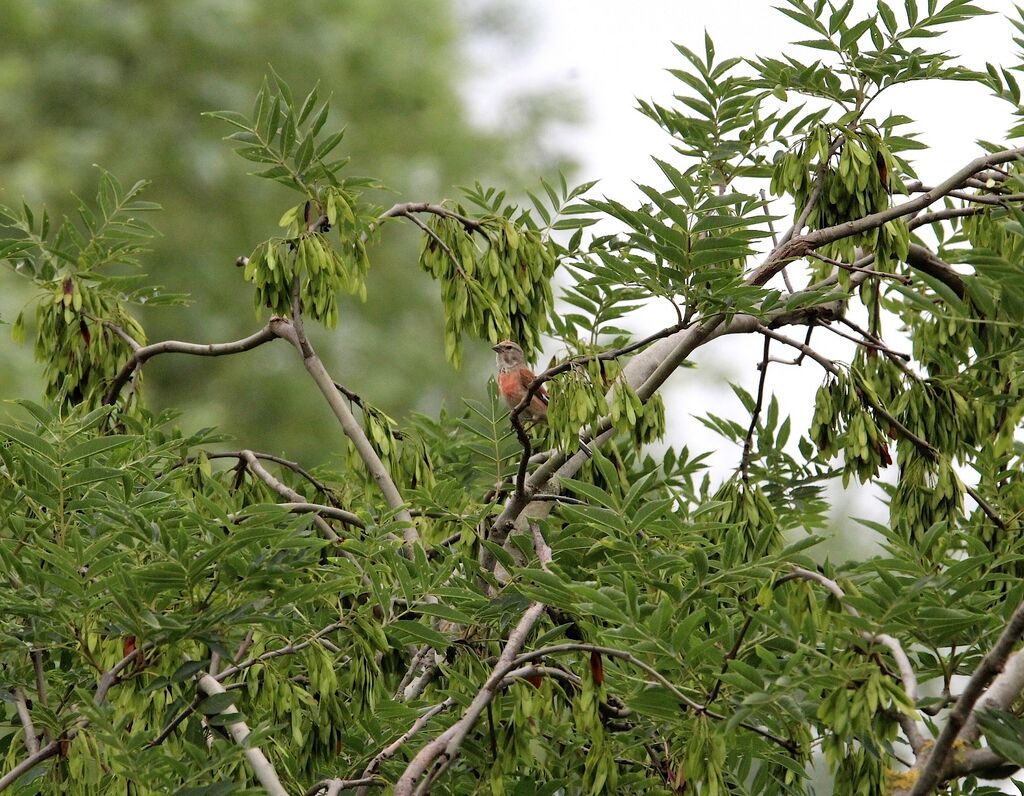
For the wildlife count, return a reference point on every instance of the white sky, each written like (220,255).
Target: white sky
(609,52)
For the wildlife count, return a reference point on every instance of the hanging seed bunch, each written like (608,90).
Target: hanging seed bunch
(79,351)
(858,714)
(886,380)
(929,491)
(495,280)
(842,422)
(403,452)
(306,252)
(748,522)
(939,412)
(592,390)
(288,137)
(79,301)
(858,173)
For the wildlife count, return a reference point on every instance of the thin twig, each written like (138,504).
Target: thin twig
(285,491)
(921,444)
(897,356)
(392,748)
(295,467)
(756,414)
(775,239)
(333,787)
(853,269)
(133,344)
(611,652)
(731,655)
(288,649)
(406,209)
(604,356)
(174,723)
(437,239)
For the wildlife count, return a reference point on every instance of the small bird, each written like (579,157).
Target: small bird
(514,378)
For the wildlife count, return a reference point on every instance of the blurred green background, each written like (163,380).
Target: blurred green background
(122,84)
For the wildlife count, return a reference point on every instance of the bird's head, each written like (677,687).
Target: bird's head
(509,355)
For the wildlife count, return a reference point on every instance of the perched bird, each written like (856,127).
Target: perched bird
(514,378)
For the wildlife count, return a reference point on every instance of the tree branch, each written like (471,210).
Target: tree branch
(907,675)
(406,209)
(782,254)
(749,439)
(140,356)
(258,762)
(392,748)
(285,491)
(611,652)
(926,261)
(1001,694)
(25,717)
(333,787)
(293,332)
(288,649)
(107,680)
(295,467)
(932,765)
(436,755)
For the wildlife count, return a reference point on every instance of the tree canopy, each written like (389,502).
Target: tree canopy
(125,85)
(471,603)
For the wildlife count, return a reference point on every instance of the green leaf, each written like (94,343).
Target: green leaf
(216,703)
(92,447)
(409,631)
(31,441)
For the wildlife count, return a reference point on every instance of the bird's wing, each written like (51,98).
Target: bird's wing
(526,377)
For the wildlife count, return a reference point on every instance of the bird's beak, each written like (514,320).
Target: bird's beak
(495,348)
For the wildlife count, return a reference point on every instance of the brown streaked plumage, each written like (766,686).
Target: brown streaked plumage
(514,378)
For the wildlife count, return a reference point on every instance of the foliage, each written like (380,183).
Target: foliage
(462,604)
(96,81)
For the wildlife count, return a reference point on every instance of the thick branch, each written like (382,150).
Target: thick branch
(294,333)
(813,240)
(50,750)
(1000,695)
(927,262)
(439,752)
(932,769)
(258,762)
